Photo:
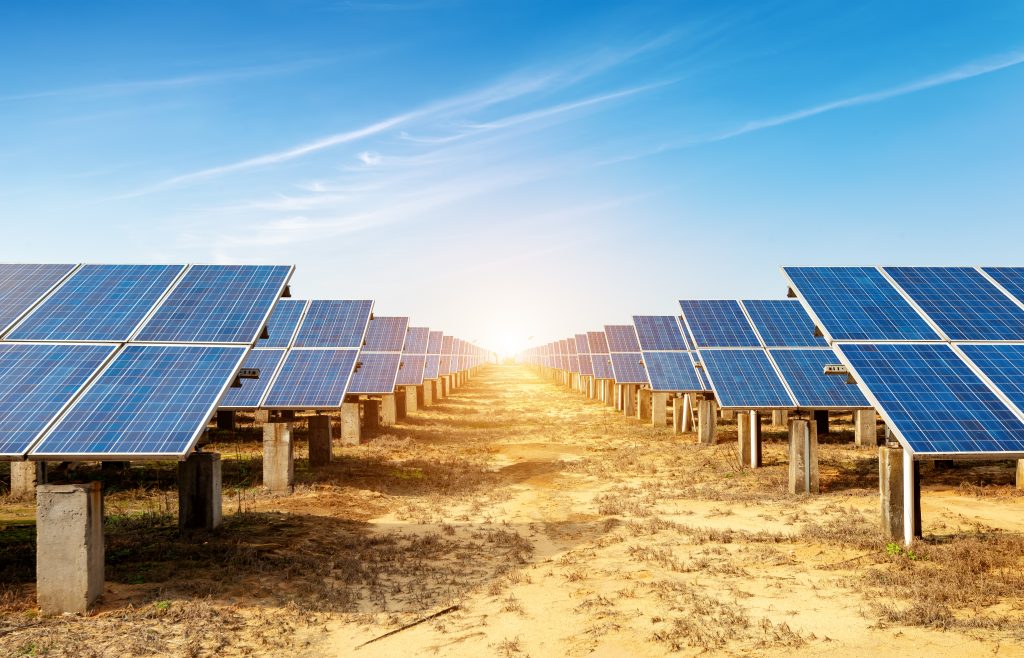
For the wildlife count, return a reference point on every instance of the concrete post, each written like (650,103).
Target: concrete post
(69,547)
(350,423)
(442,387)
(371,415)
(659,408)
(25,476)
(727,414)
(865,427)
(707,410)
(278,458)
(900,494)
(748,426)
(199,492)
(388,410)
(1020,473)
(821,419)
(428,392)
(689,407)
(780,418)
(643,404)
(609,392)
(803,457)
(410,400)
(629,393)
(261,416)
(319,441)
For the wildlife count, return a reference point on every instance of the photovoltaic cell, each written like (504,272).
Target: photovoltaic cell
(672,371)
(98,303)
(217,304)
(36,382)
(574,363)
(783,323)
(1004,365)
(376,373)
(386,334)
(283,322)
(659,332)
(931,397)
(585,364)
(628,368)
(804,371)
(334,323)
(251,393)
(602,366)
(431,366)
(597,342)
(1011,278)
(150,401)
(858,303)
(963,303)
(434,342)
(718,323)
(744,379)
(621,338)
(571,344)
(411,372)
(312,379)
(582,345)
(416,341)
(21,286)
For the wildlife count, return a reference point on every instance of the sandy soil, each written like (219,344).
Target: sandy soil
(540,524)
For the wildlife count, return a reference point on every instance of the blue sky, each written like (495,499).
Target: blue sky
(507,170)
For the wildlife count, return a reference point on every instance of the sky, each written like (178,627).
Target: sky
(514,172)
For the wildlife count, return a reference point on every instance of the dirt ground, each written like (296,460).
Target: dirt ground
(538,523)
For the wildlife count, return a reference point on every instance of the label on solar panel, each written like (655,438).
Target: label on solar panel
(836,369)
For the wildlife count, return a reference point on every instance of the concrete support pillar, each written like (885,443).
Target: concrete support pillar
(680,406)
(371,415)
(226,420)
(388,410)
(865,427)
(428,392)
(261,416)
(609,392)
(659,408)
(278,458)
(727,414)
(780,418)
(350,434)
(199,492)
(411,398)
(803,457)
(1020,473)
(25,476)
(707,412)
(748,435)
(400,410)
(629,393)
(900,494)
(320,441)
(69,547)
(821,419)
(643,404)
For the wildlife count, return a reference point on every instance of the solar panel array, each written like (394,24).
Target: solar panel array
(670,363)
(123,361)
(939,351)
(414,357)
(381,357)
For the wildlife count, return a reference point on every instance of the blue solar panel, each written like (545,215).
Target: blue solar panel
(416,341)
(628,368)
(386,334)
(98,302)
(586,365)
(858,303)
(783,323)
(434,342)
(334,323)
(1011,278)
(411,372)
(804,371)
(963,303)
(597,342)
(36,382)
(251,393)
(446,344)
(151,401)
(444,365)
(570,343)
(218,304)
(574,363)
(659,332)
(672,371)
(376,373)
(430,368)
(582,345)
(602,366)
(1004,365)
(21,286)
(621,338)
(283,322)
(744,379)
(718,323)
(312,379)
(934,400)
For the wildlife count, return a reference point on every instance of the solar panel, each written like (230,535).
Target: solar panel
(1003,365)
(582,345)
(375,374)
(597,342)
(672,371)
(571,344)
(804,371)
(717,323)
(36,382)
(98,303)
(411,372)
(857,303)
(283,322)
(782,323)
(217,304)
(150,401)
(21,286)
(434,343)
(744,379)
(416,342)
(621,338)
(574,363)
(602,366)
(659,332)
(628,368)
(335,323)
(431,366)
(586,365)
(386,334)
(252,391)
(933,400)
(1010,278)
(312,379)
(962,302)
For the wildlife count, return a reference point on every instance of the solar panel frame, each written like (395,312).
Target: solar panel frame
(24,285)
